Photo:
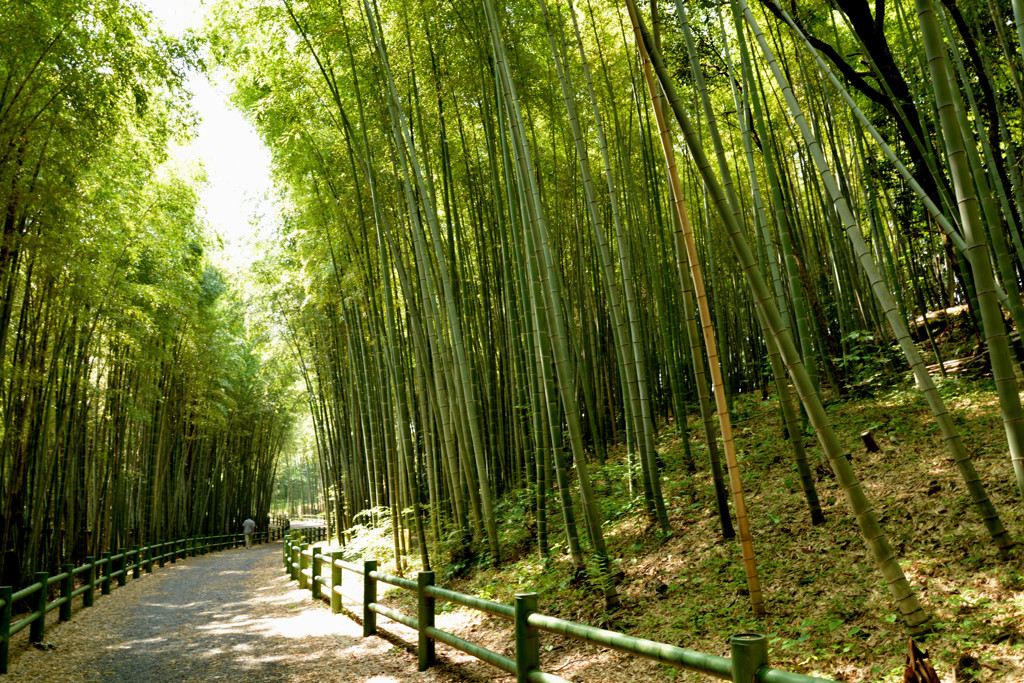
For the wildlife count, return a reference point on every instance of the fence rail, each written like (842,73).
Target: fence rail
(100,573)
(322,573)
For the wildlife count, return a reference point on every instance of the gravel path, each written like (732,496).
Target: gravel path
(231,615)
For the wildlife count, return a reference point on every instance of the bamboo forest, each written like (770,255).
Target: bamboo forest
(694,317)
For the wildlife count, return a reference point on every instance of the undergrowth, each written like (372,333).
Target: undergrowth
(829,612)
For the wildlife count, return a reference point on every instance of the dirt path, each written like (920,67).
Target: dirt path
(230,615)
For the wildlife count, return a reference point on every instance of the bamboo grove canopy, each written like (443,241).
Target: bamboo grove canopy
(519,233)
(515,235)
(134,404)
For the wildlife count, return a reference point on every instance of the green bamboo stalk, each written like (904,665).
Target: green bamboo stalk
(954,139)
(559,341)
(898,324)
(912,611)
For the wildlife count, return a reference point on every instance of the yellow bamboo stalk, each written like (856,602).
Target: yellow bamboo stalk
(717,383)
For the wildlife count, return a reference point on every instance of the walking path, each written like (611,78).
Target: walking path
(231,615)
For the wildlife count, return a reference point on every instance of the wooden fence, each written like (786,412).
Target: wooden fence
(322,574)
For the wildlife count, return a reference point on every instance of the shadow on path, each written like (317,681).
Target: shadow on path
(209,620)
(227,616)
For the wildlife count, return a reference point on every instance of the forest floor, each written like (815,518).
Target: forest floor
(828,611)
(235,615)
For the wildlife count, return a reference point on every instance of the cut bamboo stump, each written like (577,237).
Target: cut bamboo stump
(870,444)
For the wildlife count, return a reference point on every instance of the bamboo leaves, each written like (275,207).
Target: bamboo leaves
(519,310)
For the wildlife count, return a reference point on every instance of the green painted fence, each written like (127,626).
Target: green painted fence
(101,573)
(322,574)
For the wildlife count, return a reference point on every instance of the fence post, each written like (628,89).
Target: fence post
(369,597)
(138,561)
(108,564)
(303,581)
(37,631)
(527,637)
(5,626)
(749,653)
(425,616)
(67,586)
(316,564)
(316,572)
(174,550)
(122,566)
(90,582)
(335,582)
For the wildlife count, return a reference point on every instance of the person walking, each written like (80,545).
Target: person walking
(248,526)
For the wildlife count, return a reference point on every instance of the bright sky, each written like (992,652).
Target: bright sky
(237,202)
